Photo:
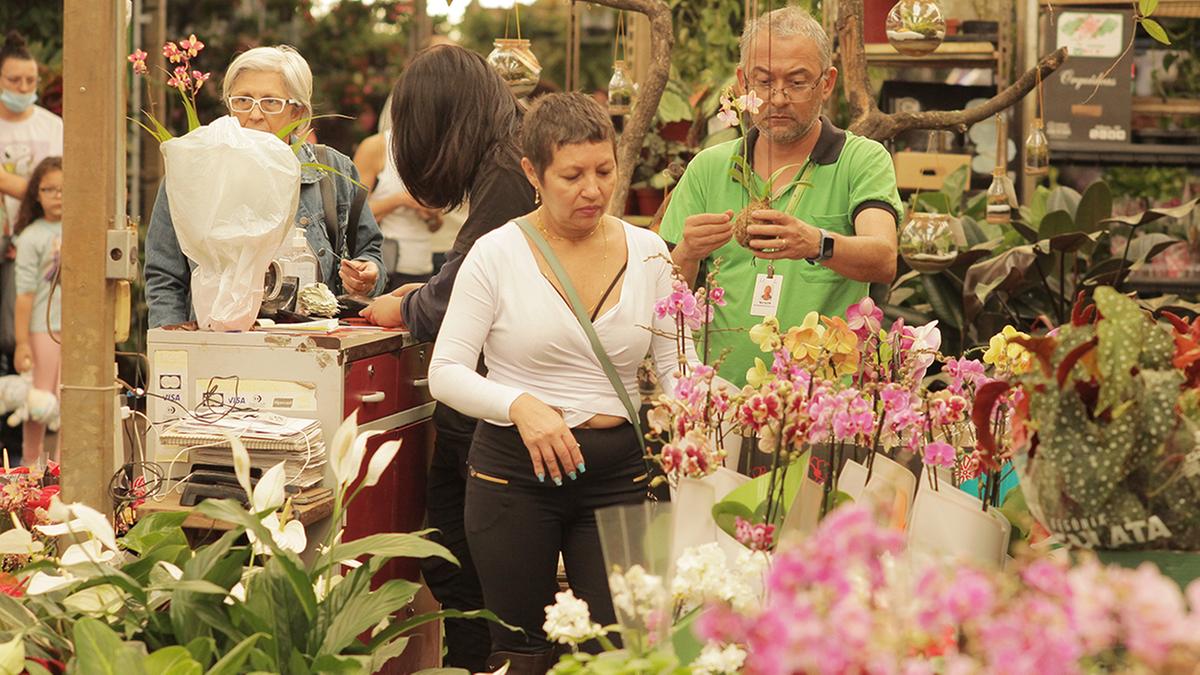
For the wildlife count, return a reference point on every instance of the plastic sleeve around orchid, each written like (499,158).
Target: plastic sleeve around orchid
(663,347)
(468,320)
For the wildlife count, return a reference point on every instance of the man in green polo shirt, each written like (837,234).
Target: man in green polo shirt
(816,250)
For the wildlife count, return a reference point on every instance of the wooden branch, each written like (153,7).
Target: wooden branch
(662,40)
(866,118)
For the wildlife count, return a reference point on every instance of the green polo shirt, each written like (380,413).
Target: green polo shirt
(848,174)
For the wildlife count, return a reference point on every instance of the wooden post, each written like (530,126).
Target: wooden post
(94,173)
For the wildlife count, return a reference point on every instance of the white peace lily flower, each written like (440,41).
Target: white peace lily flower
(346,452)
(289,536)
(19,541)
(241,463)
(171,569)
(99,602)
(380,461)
(324,584)
(89,551)
(568,620)
(268,494)
(12,656)
(238,593)
(41,583)
(716,660)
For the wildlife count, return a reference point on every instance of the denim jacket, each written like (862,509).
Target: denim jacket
(169,273)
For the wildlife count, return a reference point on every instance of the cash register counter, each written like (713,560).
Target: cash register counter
(325,376)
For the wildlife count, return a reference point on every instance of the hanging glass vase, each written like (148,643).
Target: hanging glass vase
(516,64)
(999,210)
(915,27)
(1037,151)
(927,242)
(620,90)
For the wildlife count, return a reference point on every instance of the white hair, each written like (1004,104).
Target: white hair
(285,60)
(787,22)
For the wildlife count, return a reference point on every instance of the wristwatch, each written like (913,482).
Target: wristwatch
(824,248)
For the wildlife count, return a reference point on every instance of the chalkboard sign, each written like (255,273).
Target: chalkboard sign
(1095,40)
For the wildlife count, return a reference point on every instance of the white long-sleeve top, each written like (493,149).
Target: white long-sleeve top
(532,342)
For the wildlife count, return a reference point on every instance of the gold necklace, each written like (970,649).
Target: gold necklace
(599,226)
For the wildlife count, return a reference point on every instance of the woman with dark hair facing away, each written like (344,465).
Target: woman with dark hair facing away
(556,441)
(453,138)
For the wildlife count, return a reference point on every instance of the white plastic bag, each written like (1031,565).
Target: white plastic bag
(233,194)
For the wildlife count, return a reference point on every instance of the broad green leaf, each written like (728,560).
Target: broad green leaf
(202,649)
(934,202)
(954,186)
(282,596)
(99,651)
(1156,31)
(399,627)
(1005,271)
(1056,223)
(342,664)
(1147,7)
(388,651)
(232,512)
(154,530)
(192,586)
(174,660)
(1150,215)
(674,107)
(348,614)
(973,232)
(1063,198)
(749,497)
(388,545)
(946,299)
(1094,207)
(231,662)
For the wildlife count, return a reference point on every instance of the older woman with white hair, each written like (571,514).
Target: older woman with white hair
(267,89)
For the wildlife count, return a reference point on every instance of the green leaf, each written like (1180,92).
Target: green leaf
(954,186)
(1063,198)
(35,668)
(346,614)
(1094,207)
(330,663)
(329,169)
(202,649)
(388,545)
(154,530)
(98,651)
(389,650)
(174,660)
(231,662)
(946,300)
(934,202)
(1056,223)
(1150,215)
(396,628)
(1156,31)
(232,512)
(1005,271)
(288,129)
(1147,7)
(750,497)
(282,596)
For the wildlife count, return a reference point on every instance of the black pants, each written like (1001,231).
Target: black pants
(517,527)
(454,586)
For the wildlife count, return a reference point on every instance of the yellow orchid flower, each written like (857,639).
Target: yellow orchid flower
(766,334)
(759,374)
(805,341)
(1006,355)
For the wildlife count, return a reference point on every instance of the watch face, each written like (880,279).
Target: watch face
(826,246)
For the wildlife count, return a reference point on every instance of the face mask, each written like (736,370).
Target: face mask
(18,103)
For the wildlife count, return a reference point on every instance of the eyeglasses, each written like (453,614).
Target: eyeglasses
(795,92)
(268,106)
(47,191)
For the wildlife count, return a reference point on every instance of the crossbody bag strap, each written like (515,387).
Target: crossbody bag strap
(590,330)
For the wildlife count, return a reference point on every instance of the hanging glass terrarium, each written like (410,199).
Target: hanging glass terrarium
(621,90)
(915,27)
(927,242)
(999,210)
(516,64)
(1037,151)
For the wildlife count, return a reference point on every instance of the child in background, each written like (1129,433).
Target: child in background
(38,230)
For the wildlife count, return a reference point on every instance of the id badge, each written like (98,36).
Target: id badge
(767,290)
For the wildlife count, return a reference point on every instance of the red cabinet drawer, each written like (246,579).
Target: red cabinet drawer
(383,385)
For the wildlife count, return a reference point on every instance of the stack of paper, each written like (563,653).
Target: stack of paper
(268,438)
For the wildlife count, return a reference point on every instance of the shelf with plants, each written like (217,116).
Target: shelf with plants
(1103,152)
(947,55)
(1182,9)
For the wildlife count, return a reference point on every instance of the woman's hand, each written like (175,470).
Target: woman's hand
(385,311)
(548,439)
(23,357)
(358,276)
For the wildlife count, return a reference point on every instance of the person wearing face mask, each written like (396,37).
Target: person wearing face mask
(555,442)
(266,89)
(28,132)
(823,244)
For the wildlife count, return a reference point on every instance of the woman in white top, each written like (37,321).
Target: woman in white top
(555,442)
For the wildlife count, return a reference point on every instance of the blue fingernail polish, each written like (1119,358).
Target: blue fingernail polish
(558,481)
(582,467)
(541,477)
(571,474)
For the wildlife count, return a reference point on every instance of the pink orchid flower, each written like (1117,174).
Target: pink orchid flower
(728,117)
(864,318)
(751,102)
(191,45)
(171,51)
(138,59)
(939,453)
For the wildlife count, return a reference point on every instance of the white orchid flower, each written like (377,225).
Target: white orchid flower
(12,656)
(380,461)
(41,583)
